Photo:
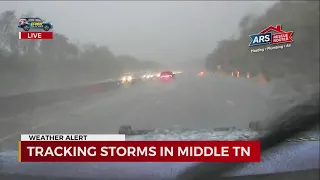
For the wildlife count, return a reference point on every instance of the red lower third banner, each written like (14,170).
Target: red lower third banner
(139,151)
(35,35)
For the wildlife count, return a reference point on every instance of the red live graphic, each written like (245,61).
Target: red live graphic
(35,35)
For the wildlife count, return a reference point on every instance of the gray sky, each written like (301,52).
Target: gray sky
(154,30)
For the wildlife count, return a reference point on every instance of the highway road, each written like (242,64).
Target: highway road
(188,102)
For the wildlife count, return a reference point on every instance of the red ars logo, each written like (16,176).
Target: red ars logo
(280,36)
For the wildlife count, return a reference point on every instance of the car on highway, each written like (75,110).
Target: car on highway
(201,73)
(166,76)
(127,78)
(148,76)
(127,130)
(34,23)
(238,74)
(177,72)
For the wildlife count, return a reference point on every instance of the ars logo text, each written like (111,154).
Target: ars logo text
(271,35)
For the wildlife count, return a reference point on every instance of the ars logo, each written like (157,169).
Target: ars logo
(271,35)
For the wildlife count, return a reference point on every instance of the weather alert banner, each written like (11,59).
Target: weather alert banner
(114,148)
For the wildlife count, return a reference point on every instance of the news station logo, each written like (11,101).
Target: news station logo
(42,29)
(272,35)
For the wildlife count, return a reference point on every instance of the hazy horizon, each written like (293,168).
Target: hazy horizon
(168,31)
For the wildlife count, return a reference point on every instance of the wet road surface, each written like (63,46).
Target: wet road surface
(188,102)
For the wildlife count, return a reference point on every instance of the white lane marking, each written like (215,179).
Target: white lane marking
(89,106)
(78,111)
(101,102)
(38,125)
(7,137)
(230,102)
(42,124)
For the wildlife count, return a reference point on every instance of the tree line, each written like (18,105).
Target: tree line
(27,65)
(299,63)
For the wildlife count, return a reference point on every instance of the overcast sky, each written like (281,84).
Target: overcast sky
(154,30)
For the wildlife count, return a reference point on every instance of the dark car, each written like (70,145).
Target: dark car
(127,130)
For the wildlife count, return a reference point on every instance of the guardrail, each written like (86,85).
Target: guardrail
(13,104)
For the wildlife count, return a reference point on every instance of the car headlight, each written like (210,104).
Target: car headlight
(123,79)
(129,78)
